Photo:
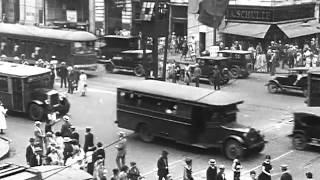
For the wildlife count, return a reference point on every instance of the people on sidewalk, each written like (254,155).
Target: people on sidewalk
(3,121)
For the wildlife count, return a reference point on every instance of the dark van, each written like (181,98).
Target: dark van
(203,119)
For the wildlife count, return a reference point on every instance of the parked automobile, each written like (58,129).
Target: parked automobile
(131,60)
(296,79)
(205,119)
(207,63)
(305,130)
(240,62)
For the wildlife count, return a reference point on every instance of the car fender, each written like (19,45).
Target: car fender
(236,66)
(234,137)
(37,102)
(274,81)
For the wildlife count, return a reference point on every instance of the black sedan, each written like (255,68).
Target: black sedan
(296,80)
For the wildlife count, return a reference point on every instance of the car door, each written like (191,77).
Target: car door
(205,67)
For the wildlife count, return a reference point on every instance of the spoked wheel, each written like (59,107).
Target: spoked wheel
(235,72)
(272,87)
(139,71)
(233,149)
(110,68)
(36,112)
(299,141)
(145,133)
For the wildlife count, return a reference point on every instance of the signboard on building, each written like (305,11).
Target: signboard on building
(72,16)
(30,11)
(99,10)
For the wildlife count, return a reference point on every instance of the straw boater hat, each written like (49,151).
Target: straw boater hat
(221,167)
(67,139)
(66,118)
(37,123)
(212,162)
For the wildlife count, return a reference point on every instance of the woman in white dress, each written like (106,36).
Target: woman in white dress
(3,122)
(83,83)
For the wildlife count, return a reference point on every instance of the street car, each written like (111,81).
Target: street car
(207,63)
(240,62)
(305,130)
(205,119)
(296,79)
(131,60)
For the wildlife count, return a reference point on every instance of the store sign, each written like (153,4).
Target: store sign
(72,16)
(99,10)
(270,14)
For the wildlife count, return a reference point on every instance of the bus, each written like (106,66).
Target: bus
(76,48)
(193,116)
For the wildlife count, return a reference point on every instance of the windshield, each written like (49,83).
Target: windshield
(224,115)
(38,82)
(83,47)
(122,43)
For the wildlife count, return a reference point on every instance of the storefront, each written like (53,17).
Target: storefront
(251,24)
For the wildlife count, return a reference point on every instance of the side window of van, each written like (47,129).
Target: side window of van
(3,84)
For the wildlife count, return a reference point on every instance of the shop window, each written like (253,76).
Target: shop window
(3,84)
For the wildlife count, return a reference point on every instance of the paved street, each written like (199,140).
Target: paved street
(270,113)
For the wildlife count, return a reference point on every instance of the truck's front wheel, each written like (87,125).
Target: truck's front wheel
(233,149)
(36,112)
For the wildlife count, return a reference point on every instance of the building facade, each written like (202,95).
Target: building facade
(254,21)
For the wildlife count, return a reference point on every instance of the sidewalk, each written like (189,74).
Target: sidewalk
(4,147)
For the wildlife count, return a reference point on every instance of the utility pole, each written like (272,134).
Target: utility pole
(44,12)
(92,25)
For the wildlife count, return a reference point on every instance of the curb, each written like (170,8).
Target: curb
(4,147)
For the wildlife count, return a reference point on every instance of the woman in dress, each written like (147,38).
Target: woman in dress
(187,173)
(83,83)
(236,167)
(266,168)
(3,121)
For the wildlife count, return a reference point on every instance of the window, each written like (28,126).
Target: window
(3,84)
(83,47)
(147,10)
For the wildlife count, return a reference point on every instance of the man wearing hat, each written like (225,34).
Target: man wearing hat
(68,149)
(63,72)
(74,133)
(212,170)
(71,77)
(122,150)
(221,175)
(162,165)
(196,74)
(39,134)
(133,173)
(65,127)
(89,159)
(30,153)
(187,173)
(88,139)
(285,174)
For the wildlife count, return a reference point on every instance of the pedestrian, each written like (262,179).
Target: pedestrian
(196,74)
(187,173)
(162,165)
(49,138)
(99,152)
(184,48)
(74,133)
(122,150)
(30,153)
(71,78)
(89,159)
(274,61)
(115,174)
(3,121)
(221,174)
(123,175)
(216,77)
(285,174)
(63,72)
(266,168)
(187,75)
(253,175)
(52,76)
(133,173)
(309,175)
(38,156)
(212,170)
(50,121)
(236,167)
(82,83)
(39,134)
(55,157)
(67,150)
(76,78)
(65,128)
(88,139)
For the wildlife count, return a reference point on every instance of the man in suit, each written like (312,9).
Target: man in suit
(285,174)
(88,139)
(99,152)
(221,175)
(162,165)
(30,153)
(212,170)
(65,128)
(71,77)
(122,150)
(63,72)
(74,133)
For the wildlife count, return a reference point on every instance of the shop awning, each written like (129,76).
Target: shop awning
(246,29)
(298,29)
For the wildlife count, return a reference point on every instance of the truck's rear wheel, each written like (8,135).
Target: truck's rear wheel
(36,112)
(299,141)
(233,149)
(145,133)
(138,70)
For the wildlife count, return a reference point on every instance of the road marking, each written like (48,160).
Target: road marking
(169,165)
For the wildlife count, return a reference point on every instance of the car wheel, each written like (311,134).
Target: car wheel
(273,87)
(235,72)
(145,133)
(36,112)
(299,141)
(139,71)
(233,149)
(109,68)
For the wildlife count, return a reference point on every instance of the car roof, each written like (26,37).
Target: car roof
(20,70)
(120,37)
(314,70)
(235,51)
(186,93)
(216,58)
(137,51)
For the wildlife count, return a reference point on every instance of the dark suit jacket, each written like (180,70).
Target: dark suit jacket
(65,130)
(75,135)
(162,167)
(98,152)
(286,176)
(212,173)
(220,177)
(88,141)
(31,157)
(63,72)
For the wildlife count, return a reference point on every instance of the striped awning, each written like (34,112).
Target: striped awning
(246,29)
